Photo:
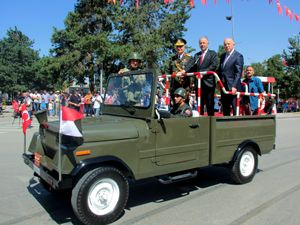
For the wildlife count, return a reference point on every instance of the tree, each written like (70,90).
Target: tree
(16,62)
(100,35)
(48,74)
(292,68)
(276,69)
(260,69)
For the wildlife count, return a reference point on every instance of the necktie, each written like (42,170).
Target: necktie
(226,59)
(201,58)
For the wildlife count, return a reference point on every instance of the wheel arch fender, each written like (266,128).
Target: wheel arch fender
(103,161)
(243,145)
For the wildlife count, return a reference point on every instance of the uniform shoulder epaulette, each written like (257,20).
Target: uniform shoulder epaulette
(186,54)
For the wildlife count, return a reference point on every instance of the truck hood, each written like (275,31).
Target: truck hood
(108,128)
(105,128)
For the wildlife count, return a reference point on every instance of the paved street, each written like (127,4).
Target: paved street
(211,199)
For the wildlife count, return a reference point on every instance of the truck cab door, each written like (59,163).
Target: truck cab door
(182,141)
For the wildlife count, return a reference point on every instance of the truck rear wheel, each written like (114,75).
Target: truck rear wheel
(245,166)
(100,196)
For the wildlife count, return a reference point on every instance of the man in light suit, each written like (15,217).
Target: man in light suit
(230,72)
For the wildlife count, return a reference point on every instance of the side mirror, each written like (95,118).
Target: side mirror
(162,114)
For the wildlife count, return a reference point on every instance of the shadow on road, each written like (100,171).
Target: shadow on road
(142,192)
(150,190)
(57,205)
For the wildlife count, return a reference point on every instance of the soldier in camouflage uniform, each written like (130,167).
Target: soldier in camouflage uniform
(134,63)
(177,64)
(181,109)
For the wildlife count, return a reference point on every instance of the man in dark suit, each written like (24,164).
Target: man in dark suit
(230,72)
(205,60)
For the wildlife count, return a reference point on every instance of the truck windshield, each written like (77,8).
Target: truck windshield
(129,90)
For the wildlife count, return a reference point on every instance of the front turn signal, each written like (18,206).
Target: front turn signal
(83,152)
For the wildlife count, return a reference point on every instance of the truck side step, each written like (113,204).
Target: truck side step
(171,178)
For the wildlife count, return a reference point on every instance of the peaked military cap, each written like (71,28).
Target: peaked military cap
(180,42)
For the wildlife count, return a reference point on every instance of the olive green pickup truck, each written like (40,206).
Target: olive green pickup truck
(133,139)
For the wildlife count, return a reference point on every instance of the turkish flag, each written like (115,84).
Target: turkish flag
(279,7)
(192,3)
(26,121)
(67,125)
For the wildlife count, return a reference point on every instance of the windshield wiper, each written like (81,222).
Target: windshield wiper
(129,106)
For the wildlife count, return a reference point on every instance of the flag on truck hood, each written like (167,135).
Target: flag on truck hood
(26,121)
(67,122)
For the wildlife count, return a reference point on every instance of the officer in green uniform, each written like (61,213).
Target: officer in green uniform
(177,64)
(181,109)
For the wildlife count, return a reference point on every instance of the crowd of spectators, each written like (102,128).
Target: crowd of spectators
(288,105)
(87,103)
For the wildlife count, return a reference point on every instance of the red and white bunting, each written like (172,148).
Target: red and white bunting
(191,3)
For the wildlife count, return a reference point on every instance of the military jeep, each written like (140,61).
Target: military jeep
(133,140)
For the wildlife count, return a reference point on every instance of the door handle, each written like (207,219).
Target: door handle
(195,125)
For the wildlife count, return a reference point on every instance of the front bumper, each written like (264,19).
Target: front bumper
(43,173)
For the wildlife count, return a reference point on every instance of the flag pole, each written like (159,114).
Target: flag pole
(24,142)
(59,157)
(59,144)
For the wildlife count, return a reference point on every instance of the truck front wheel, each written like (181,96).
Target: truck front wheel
(100,196)
(245,166)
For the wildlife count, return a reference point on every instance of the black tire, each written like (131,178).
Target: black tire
(100,196)
(245,166)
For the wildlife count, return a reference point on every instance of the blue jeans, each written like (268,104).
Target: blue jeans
(97,112)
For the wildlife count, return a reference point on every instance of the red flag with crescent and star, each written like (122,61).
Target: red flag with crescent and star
(26,121)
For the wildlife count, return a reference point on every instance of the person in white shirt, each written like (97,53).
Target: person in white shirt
(97,101)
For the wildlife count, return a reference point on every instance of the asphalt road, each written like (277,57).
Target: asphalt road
(272,198)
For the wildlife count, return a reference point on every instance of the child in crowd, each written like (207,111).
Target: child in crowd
(43,105)
(51,108)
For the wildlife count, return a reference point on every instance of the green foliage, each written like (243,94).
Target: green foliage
(274,68)
(221,50)
(16,62)
(100,35)
(291,79)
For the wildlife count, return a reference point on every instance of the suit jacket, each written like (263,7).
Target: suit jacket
(231,73)
(209,63)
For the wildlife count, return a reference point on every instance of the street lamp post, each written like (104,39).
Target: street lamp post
(231,19)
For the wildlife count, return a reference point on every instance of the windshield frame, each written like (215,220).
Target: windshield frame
(131,108)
